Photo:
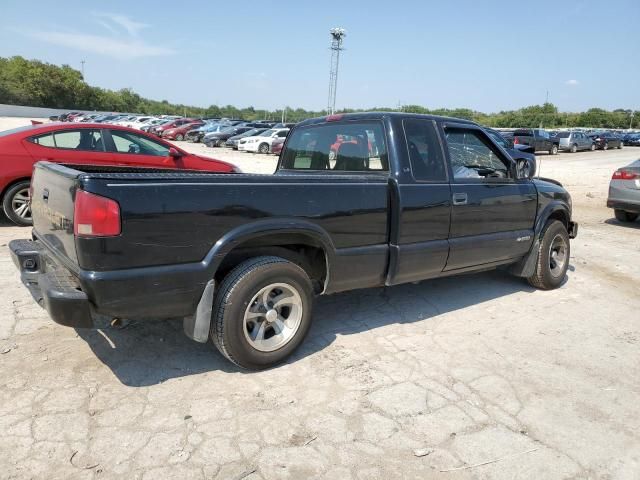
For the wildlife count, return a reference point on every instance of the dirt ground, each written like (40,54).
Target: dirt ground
(475,377)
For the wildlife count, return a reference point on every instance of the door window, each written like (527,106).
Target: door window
(425,153)
(473,157)
(128,142)
(85,140)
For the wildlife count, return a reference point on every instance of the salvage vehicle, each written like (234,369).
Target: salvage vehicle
(178,133)
(85,143)
(537,138)
(607,140)
(233,141)
(218,139)
(261,143)
(240,257)
(624,192)
(575,141)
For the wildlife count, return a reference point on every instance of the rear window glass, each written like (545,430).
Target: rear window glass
(347,147)
(523,132)
(564,135)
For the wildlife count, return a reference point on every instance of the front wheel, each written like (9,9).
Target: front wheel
(621,145)
(554,150)
(593,147)
(179,137)
(574,148)
(16,204)
(605,146)
(263,148)
(553,257)
(262,312)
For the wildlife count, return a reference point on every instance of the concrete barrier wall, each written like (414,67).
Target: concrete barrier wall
(34,112)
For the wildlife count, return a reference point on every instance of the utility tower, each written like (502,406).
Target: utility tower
(337,37)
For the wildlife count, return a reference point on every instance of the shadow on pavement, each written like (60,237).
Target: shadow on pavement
(612,221)
(147,353)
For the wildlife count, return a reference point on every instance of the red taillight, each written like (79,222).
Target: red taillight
(515,141)
(624,175)
(334,118)
(95,216)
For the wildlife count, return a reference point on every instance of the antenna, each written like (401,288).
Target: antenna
(337,37)
(82,62)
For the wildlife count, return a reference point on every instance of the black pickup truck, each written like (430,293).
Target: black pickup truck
(538,139)
(358,200)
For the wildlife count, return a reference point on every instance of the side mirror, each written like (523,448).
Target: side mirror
(525,168)
(174,153)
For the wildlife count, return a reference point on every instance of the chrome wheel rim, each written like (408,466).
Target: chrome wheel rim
(557,255)
(273,317)
(20,204)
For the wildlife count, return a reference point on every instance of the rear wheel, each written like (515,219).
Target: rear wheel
(624,216)
(179,137)
(263,148)
(220,143)
(574,148)
(605,146)
(262,312)
(16,204)
(621,145)
(593,147)
(554,150)
(553,257)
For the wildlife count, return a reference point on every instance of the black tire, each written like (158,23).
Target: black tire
(237,290)
(554,150)
(544,277)
(624,216)
(620,146)
(263,148)
(574,148)
(220,143)
(179,137)
(605,146)
(12,204)
(593,147)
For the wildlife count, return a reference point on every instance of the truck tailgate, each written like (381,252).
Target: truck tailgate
(53,191)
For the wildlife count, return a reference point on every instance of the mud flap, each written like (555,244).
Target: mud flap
(196,326)
(527,266)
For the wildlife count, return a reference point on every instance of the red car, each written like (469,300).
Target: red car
(159,129)
(82,143)
(277,144)
(179,132)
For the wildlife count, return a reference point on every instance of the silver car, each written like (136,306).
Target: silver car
(574,141)
(624,192)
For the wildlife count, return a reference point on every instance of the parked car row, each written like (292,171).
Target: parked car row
(571,141)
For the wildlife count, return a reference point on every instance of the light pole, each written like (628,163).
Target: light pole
(337,37)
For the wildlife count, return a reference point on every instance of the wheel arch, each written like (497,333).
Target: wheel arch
(11,184)
(300,242)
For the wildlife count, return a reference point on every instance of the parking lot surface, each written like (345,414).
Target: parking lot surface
(479,376)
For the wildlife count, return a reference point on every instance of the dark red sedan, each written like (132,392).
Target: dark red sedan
(179,132)
(82,143)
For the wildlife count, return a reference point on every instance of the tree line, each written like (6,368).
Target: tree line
(38,84)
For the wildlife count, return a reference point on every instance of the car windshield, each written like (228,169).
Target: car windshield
(564,135)
(255,131)
(268,133)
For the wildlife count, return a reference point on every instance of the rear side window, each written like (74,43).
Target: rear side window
(85,140)
(565,134)
(423,147)
(341,147)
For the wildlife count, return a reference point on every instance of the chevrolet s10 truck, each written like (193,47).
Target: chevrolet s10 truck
(240,257)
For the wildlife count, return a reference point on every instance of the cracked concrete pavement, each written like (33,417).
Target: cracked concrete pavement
(477,377)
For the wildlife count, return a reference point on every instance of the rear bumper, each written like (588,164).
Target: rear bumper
(626,206)
(52,286)
(82,299)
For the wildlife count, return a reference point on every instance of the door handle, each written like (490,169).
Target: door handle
(460,198)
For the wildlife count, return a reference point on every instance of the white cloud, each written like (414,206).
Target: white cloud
(130,26)
(571,83)
(123,49)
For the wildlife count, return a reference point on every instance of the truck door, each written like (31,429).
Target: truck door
(492,214)
(424,204)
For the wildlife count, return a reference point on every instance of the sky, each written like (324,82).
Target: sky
(486,55)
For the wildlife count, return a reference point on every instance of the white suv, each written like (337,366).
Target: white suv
(262,143)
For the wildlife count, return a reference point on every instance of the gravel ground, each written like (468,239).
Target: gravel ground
(478,376)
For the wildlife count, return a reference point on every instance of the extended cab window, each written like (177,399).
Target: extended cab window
(425,154)
(86,140)
(346,147)
(474,157)
(127,142)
